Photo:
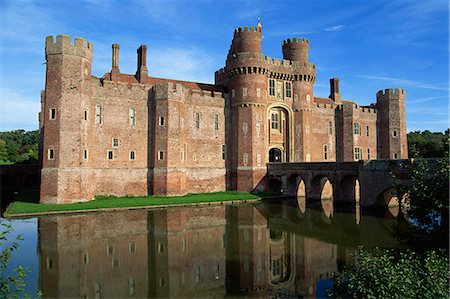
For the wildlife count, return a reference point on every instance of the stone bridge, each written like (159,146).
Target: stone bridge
(369,182)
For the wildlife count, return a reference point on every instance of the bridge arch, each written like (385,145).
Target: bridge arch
(321,188)
(274,185)
(349,189)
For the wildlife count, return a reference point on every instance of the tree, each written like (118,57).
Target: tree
(11,286)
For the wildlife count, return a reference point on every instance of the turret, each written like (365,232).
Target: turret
(391,124)
(68,93)
(246,40)
(296,49)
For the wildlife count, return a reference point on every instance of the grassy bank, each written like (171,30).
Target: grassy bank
(112,202)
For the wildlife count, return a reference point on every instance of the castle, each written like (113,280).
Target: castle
(133,134)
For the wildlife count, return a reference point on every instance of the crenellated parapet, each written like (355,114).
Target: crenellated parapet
(296,49)
(246,39)
(247,63)
(63,45)
(392,93)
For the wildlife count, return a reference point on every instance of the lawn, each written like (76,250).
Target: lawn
(112,202)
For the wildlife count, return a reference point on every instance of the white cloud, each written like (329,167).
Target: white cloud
(334,28)
(18,111)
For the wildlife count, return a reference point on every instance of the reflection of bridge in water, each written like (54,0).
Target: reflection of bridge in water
(370,182)
(200,252)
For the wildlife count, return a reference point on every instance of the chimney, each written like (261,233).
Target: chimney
(334,90)
(142,72)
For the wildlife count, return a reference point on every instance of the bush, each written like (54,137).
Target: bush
(384,274)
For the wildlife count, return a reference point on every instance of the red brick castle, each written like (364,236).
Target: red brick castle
(133,134)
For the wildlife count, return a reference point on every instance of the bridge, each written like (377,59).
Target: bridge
(369,182)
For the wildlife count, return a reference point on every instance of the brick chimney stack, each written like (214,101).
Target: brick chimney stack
(142,71)
(334,90)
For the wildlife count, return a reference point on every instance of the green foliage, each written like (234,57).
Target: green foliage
(11,286)
(108,202)
(427,144)
(19,146)
(383,274)
(428,213)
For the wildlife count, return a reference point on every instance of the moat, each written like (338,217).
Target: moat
(272,248)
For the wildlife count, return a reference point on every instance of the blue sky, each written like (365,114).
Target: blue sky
(369,45)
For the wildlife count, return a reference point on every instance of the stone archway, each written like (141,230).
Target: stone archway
(279,133)
(349,189)
(274,186)
(275,155)
(321,188)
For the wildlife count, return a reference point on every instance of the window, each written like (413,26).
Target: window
(244,91)
(288,89)
(52,113)
(395,156)
(85,115)
(275,121)
(132,247)
(197,120)
(115,142)
(356,129)
(161,121)
(110,155)
(233,93)
(115,263)
(368,154)
(367,130)
(160,247)
(86,258)
(258,92)
(271,87)
(394,133)
(49,263)
(216,121)
(330,127)
(325,152)
(197,275)
(308,98)
(132,116)
(85,154)
(132,155)
(51,154)
(132,286)
(224,151)
(110,249)
(160,155)
(98,290)
(358,153)
(98,114)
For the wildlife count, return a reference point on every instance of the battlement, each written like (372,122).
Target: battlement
(391,92)
(296,41)
(62,45)
(245,29)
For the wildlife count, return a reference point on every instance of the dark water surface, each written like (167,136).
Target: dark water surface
(270,249)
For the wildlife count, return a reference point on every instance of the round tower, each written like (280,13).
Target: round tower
(296,49)
(247,84)
(246,39)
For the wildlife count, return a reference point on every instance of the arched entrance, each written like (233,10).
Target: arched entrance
(279,133)
(275,155)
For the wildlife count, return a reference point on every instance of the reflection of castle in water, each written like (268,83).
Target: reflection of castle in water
(187,252)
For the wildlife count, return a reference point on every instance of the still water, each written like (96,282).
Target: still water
(268,249)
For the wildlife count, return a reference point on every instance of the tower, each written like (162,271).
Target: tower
(304,74)
(67,94)
(391,124)
(247,82)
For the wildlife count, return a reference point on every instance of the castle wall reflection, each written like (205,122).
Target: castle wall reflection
(251,250)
